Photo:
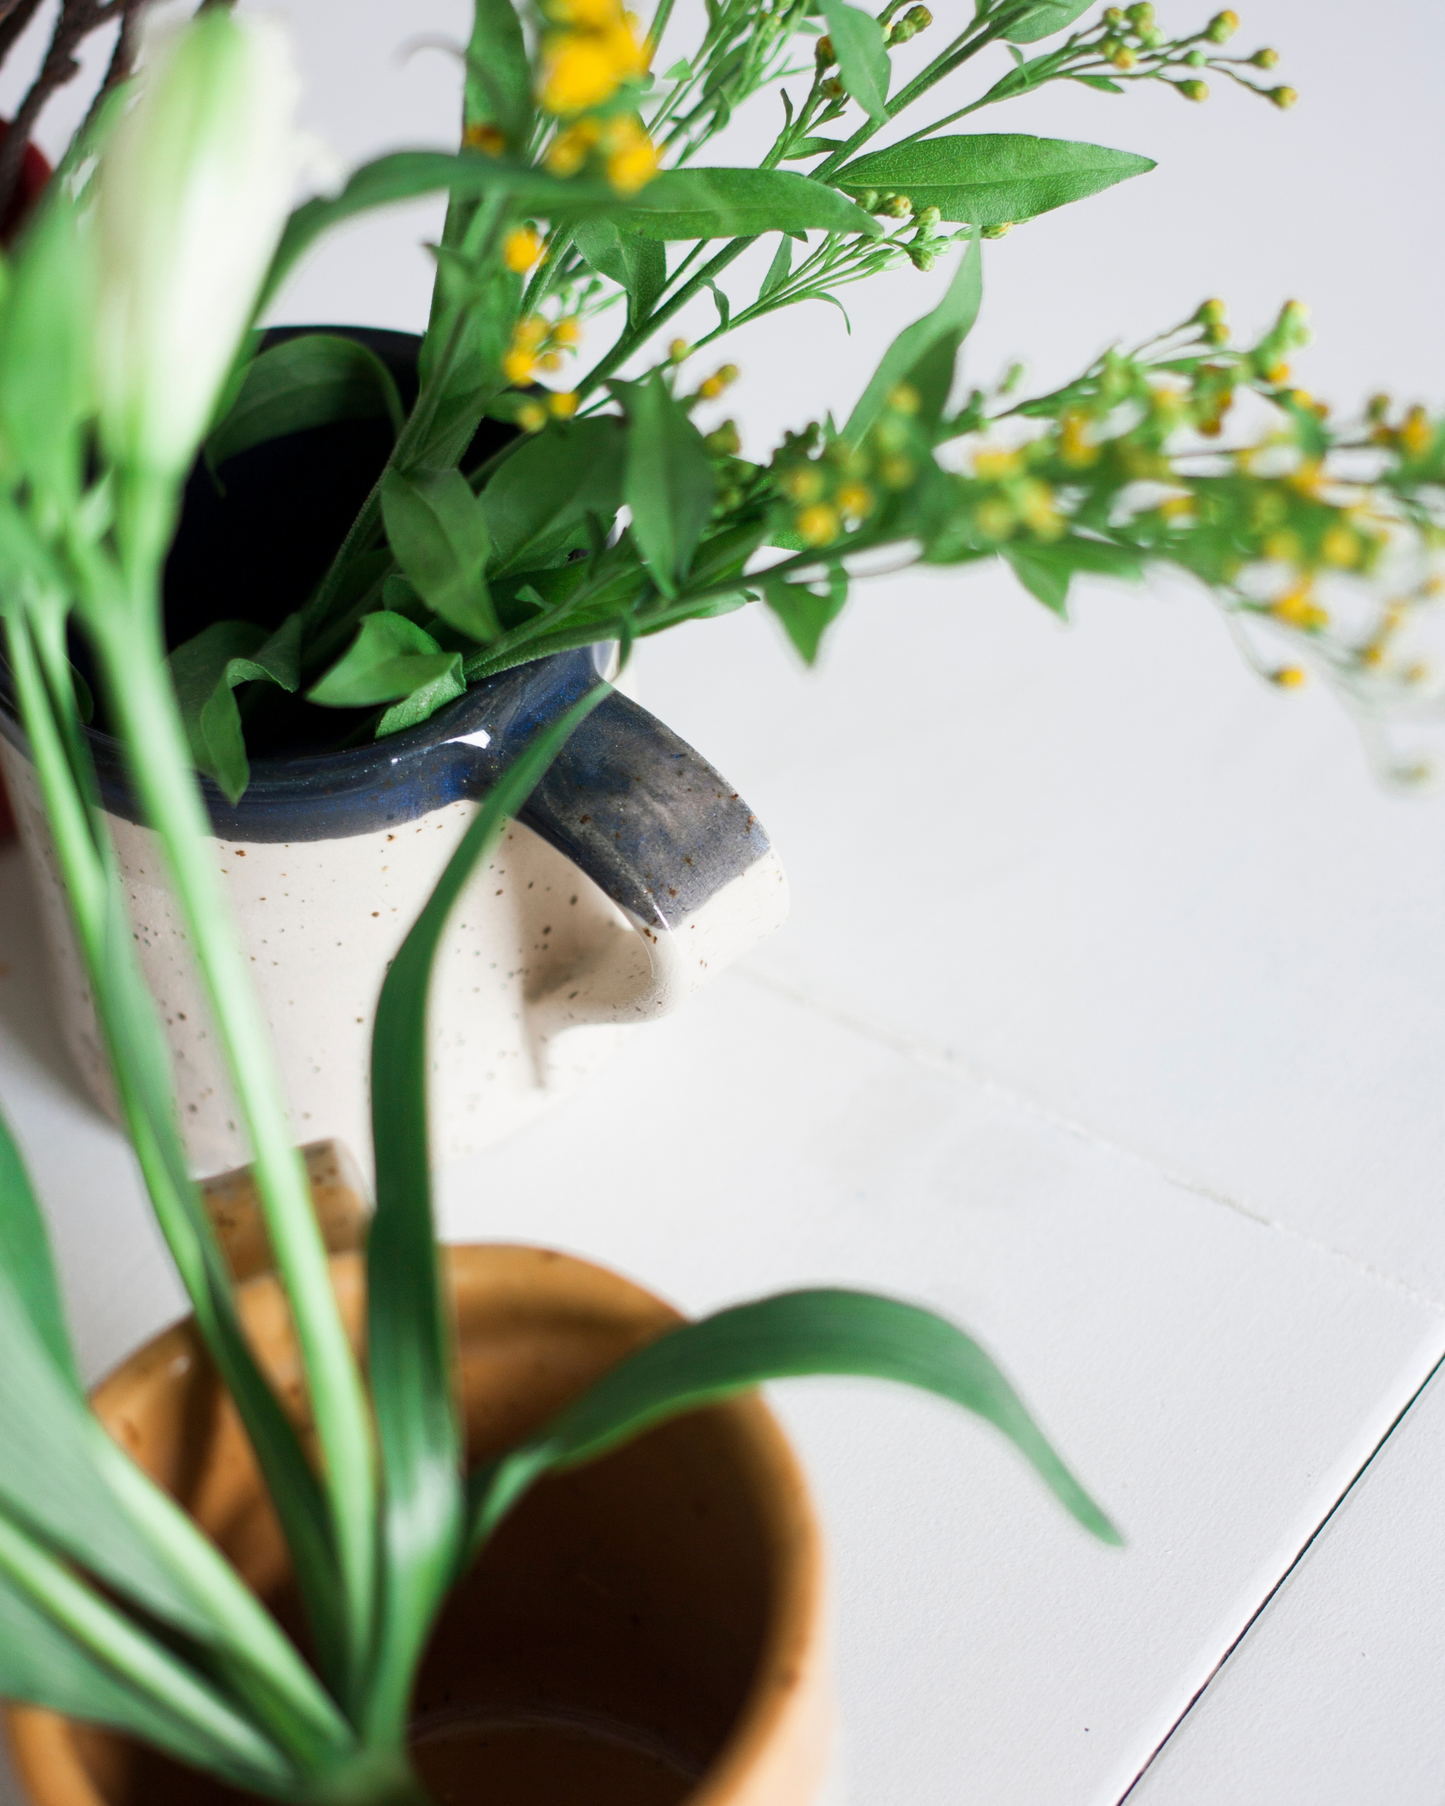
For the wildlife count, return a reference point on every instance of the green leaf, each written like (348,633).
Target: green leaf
(205,671)
(1045,568)
(499,77)
(993,178)
(391,657)
(438,530)
(779,269)
(405,175)
(804,612)
(721,302)
(814,147)
(638,265)
(408,1330)
(67,1641)
(741,203)
(539,499)
(783,1337)
(304,382)
(1045,18)
(423,702)
(925,353)
(42,1665)
(670,481)
(25,1259)
(863,60)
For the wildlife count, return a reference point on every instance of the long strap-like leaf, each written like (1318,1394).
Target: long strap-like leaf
(408,1328)
(26,1261)
(783,1337)
(63,1645)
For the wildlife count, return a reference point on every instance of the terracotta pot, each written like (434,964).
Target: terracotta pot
(646,1631)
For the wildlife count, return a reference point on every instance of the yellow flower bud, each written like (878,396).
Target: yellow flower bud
(486,138)
(896,473)
(570,149)
(1192,90)
(520,249)
(904,399)
(995,518)
(805,484)
(855,500)
(1283,98)
(1288,677)
(531,417)
(1298,609)
(580,71)
(631,156)
(994,466)
(678,350)
(1340,547)
(818,525)
(563,403)
(1415,433)
(517,366)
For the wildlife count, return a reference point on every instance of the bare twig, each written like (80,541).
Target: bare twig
(77,21)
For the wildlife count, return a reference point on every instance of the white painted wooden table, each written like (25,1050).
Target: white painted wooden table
(1110,1019)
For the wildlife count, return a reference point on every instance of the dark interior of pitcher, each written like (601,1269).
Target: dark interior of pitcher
(256,537)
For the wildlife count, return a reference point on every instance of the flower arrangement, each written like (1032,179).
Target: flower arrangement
(605,513)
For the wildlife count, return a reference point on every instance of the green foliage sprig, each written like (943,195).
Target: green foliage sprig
(577,199)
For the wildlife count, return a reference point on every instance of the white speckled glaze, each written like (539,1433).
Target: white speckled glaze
(537,976)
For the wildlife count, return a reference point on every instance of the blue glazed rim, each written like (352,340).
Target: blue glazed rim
(455,754)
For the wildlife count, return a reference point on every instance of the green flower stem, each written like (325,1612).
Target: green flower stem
(370,1778)
(954,57)
(126,628)
(412,447)
(111,1639)
(630,341)
(134,1042)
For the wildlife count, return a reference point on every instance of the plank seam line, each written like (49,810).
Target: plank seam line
(951,1066)
(1304,1550)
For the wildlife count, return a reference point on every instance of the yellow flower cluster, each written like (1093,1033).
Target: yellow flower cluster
(561,404)
(629,157)
(1021,500)
(838,491)
(598,47)
(538,344)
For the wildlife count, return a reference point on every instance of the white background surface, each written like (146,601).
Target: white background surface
(1108,1019)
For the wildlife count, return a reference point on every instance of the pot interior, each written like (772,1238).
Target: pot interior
(606,1645)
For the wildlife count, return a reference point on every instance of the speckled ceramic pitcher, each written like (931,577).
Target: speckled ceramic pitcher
(634,874)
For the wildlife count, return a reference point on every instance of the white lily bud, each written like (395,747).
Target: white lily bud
(193,189)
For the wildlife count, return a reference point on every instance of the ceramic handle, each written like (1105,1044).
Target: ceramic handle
(675,848)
